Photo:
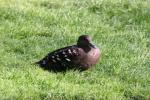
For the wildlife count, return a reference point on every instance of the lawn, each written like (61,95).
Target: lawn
(29,29)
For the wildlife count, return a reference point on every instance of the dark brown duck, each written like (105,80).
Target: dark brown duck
(80,56)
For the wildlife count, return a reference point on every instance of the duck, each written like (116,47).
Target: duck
(81,56)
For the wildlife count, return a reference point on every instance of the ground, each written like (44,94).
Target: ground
(29,29)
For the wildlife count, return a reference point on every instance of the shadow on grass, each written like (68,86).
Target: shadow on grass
(57,68)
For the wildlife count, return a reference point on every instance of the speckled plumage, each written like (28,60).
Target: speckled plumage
(80,56)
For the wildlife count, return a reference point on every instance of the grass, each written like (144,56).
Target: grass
(29,29)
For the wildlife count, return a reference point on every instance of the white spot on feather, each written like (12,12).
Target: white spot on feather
(53,57)
(74,51)
(44,62)
(68,59)
(63,52)
(66,55)
(69,50)
(58,59)
(53,60)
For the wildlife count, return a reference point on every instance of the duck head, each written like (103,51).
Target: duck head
(85,42)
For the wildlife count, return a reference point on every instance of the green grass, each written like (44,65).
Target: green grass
(29,29)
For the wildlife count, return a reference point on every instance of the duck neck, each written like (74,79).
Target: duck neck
(86,48)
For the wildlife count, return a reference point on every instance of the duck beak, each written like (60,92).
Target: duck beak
(92,45)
